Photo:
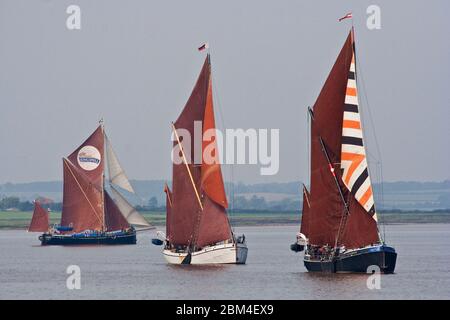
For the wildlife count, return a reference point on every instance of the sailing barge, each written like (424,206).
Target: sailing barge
(198,230)
(94,209)
(339,230)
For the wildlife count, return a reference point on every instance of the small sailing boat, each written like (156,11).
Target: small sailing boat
(94,210)
(198,230)
(339,229)
(40,220)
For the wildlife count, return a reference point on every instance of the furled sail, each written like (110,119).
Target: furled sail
(116,174)
(328,208)
(82,201)
(114,220)
(40,220)
(304,227)
(132,216)
(190,224)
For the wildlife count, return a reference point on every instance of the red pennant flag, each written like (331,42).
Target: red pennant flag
(203,47)
(347,16)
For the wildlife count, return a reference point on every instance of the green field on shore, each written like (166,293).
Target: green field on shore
(20,220)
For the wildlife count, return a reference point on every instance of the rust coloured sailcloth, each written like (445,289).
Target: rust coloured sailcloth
(83,195)
(82,201)
(40,221)
(336,216)
(114,219)
(189,222)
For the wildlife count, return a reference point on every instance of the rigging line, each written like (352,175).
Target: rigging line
(308,151)
(357,79)
(377,145)
(84,194)
(230,172)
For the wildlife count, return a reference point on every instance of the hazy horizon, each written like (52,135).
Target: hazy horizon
(135,64)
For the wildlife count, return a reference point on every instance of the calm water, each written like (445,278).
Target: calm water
(29,271)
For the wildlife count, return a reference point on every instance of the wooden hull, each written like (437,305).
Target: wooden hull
(102,239)
(357,261)
(219,254)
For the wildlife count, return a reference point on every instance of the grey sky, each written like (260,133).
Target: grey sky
(135,62)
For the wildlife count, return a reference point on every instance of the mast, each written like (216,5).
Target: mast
(103,177)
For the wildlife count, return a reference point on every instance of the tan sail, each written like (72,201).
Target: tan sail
(132,216)
(116,173)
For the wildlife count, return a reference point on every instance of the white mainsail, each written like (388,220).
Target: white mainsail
(129,212)
(116,174)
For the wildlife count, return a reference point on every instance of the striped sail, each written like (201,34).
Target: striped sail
(355,173)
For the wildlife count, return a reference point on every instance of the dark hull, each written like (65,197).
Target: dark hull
(105,239)
(358,261)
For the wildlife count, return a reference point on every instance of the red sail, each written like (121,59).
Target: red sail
(114,219)
(214,226)
(188,223)
(327,208)
(40,221)
(89,157)
(212,181)
(168,210)
(304,228)
(82,201)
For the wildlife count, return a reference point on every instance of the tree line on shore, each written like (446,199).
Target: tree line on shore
(241,203)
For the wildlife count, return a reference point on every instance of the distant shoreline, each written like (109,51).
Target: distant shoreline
(20,220)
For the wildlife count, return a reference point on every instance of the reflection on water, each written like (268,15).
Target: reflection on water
(272,270)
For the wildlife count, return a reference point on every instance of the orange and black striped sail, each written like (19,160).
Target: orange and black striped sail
(355,172)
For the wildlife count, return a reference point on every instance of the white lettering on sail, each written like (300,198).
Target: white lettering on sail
(89,158)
